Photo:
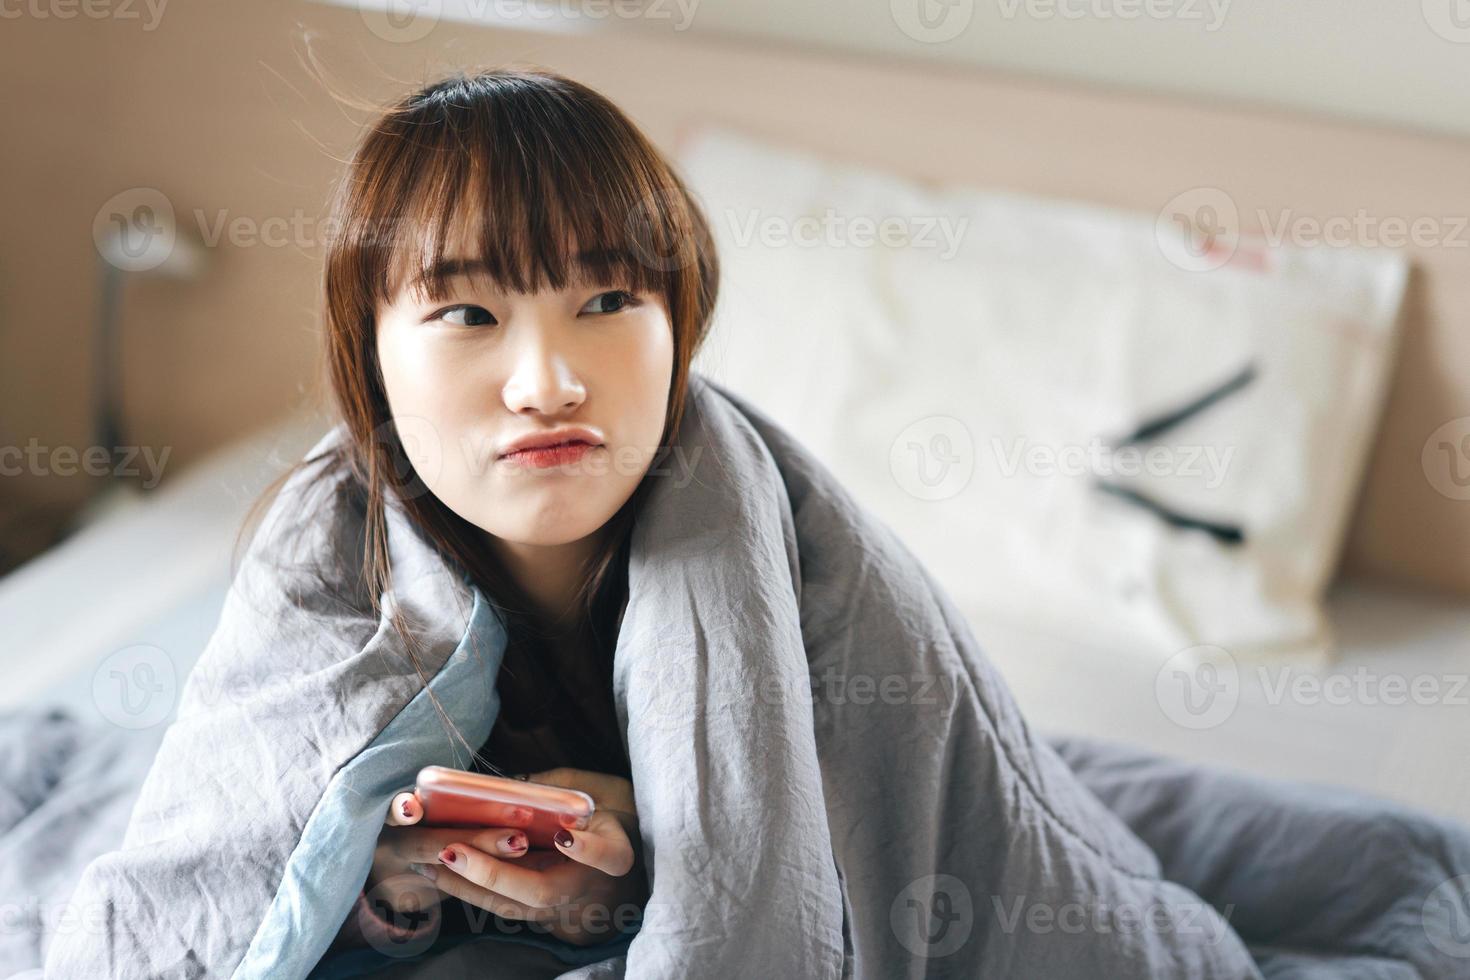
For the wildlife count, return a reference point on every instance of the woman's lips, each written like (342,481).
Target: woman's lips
(547,456)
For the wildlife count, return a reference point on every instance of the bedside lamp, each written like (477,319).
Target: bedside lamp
(136,235)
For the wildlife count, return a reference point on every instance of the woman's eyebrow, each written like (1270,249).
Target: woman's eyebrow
(588,265)
(447,269)
(591,261)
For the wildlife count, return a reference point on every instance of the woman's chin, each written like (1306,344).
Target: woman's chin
(557,526)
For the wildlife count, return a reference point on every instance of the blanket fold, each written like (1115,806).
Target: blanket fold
(832,780)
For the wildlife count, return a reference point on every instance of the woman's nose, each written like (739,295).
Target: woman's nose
(542,382)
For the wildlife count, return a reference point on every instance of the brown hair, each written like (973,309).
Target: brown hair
(545,164)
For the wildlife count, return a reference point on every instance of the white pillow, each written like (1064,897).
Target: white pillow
(960,358)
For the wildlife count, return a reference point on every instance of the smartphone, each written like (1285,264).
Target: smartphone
(455,798)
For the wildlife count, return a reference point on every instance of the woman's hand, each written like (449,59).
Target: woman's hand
(584,892)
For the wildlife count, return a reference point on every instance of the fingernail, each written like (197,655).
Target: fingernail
(427,870)
(511,843)
(563,838)
(407,808)
(448,856)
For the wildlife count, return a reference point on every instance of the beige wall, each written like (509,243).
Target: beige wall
(215,108)
(194,109)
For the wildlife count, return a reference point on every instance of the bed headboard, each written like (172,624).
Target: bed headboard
(1139,153)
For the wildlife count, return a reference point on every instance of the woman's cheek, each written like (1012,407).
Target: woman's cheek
(433,420)
(651,360)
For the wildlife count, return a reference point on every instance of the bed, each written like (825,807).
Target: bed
(161,568)
(76,744)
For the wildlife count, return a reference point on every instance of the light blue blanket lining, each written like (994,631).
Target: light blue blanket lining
(332,858)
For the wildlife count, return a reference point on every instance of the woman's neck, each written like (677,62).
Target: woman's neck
(550,575)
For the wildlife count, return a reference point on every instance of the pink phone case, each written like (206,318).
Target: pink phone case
(455,798)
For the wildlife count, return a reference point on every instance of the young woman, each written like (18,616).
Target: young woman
(529,313)
(515,290)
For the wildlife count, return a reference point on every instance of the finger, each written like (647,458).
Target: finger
(404,810)
(604,845)
(452,884)
(536,889)
(422,845)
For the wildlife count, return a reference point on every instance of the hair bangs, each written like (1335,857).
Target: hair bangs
(526,200)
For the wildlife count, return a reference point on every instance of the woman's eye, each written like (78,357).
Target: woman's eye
(466,316)
(619,298)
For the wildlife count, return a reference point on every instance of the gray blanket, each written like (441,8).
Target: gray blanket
(832,780)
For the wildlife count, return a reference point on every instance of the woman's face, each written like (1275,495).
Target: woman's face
(470,375)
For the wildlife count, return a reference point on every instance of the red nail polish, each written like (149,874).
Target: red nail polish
(516,842)
(563,839)
(406,812)
(447,856)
